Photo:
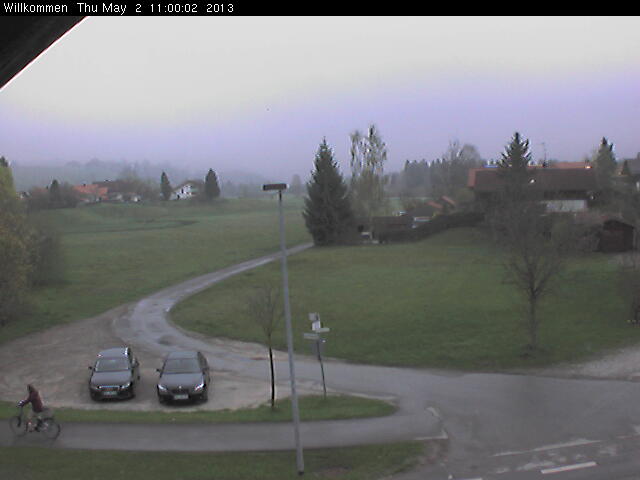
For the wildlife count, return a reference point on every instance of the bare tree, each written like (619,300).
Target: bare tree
(368,156)
(537,245)
(537,248)
(263,306)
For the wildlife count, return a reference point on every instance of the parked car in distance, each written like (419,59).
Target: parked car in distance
(184,376)
(114,374)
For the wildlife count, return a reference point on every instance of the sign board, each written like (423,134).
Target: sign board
(321,330)
(311,336)
(274,186)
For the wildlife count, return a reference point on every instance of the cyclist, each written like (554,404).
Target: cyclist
(37,408)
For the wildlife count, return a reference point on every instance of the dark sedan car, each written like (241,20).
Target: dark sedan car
(114,374)
(184,376)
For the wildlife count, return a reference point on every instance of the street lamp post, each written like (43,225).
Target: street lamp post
(287,317)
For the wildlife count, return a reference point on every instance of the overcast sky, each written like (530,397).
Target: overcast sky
(258,94)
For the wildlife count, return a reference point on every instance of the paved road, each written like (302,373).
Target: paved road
(496,424)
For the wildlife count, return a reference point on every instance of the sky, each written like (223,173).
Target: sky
(258,94)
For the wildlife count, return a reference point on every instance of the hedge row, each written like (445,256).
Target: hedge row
(436,225)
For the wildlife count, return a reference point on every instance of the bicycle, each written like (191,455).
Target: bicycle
(47,425)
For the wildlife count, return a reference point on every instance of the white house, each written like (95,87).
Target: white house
(186,190)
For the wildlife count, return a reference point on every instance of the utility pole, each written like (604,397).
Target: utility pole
(287,317)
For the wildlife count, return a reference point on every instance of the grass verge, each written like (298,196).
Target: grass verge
(443,302)
(335,407)
(350,463)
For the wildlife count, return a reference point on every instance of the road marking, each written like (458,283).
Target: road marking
(574,443)
(566,468)
(434,412)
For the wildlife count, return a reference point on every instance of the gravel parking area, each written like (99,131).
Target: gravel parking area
(56,361)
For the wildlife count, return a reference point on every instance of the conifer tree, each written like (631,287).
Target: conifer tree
(165,186)
(327,212)
(55,197)
(211,187)
(605,163)
(296,186)
(513,167)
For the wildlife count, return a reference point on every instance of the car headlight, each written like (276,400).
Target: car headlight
(199,387)
(162,388)
(125,386)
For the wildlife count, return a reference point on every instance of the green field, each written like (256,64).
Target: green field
(351,463)
(312,408)
(442,302)
(119,253)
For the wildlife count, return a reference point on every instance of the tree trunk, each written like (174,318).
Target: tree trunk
(273,380)
(533,324)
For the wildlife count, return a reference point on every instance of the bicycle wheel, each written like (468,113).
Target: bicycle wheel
(50,428)
(18,425)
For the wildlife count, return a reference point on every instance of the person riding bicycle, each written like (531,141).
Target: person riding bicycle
(37,408)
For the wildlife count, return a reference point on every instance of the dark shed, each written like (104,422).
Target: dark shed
(617,236)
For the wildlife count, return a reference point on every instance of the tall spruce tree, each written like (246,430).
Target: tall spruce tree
(513,168)
(296,186)
(55,196)
(605,163)
(211,187)
(165,186)
(327,212)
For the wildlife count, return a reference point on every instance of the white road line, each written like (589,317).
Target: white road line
(566,468)
(574,443)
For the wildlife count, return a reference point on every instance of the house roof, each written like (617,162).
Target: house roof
(23,38)
(91,189)
(570,165)
(544,179)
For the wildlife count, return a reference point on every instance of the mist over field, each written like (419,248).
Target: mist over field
(249,96)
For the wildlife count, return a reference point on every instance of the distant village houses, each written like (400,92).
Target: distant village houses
(106,191)
(186,190)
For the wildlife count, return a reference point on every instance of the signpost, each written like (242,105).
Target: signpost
(318,345)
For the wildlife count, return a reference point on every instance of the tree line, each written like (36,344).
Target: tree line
(333,204)
(29,251)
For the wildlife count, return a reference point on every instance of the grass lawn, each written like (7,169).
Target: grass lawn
(335,407)
(352,463)
(117,253)
(442,302)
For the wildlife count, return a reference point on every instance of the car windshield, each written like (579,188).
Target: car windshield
(111,365)
(181,365)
